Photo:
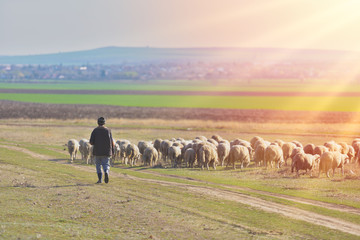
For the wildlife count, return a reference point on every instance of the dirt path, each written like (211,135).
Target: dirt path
(288,211)
(342,208)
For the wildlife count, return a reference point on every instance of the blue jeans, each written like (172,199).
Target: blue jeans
(103,161)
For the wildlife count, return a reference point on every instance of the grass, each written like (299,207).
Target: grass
(57,200)
(256,85)
(68,207)
(345,104)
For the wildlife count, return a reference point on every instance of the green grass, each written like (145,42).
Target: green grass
(229,102)
(310,188)
(258,85)
(57,201)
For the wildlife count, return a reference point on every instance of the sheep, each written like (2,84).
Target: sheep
(164,146)
(122,153)
(309,148)
(320,150)
(297,143)
(239,153)
(260,153)
(254,140)
(116,154)
(279,142)
(73,147)
(132,153)
(197,146)
(351,153)
(190,157)
(157,144)
(267,143)
(201,138)
(150,156)
(88,153)
(174,154)
(295,151)
(186,147)
(273,153)
(142,145)
(287,149)
(304,161)
(238,141)
(332,160)
(217,138)
(332,146)
(212,141)
(223,152)
(207,156)
(344,147)
(356,145)
(82,146)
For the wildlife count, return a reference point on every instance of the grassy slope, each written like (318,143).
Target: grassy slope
(70,205)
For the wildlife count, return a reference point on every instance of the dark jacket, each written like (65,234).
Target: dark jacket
(102,140)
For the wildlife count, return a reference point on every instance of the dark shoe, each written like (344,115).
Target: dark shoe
(100,177)
(106,177)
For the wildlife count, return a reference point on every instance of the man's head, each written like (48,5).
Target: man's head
(101,121)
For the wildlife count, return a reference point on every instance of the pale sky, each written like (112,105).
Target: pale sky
(51,26)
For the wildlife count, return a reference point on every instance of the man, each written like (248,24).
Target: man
(101,139)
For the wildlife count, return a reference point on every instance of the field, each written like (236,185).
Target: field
(271,96)
(48,198)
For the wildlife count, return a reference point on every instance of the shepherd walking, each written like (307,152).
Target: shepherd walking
(102,140)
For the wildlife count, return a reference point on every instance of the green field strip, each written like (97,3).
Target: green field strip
(345,104)
(178,85)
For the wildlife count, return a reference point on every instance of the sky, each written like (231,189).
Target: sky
(52,26)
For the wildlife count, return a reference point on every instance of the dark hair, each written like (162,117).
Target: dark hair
(101,121)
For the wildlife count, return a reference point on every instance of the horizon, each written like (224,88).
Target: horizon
(47,27)
(179,48)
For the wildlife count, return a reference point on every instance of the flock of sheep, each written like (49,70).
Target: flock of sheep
(204,152)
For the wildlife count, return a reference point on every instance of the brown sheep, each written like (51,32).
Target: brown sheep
(274,154)
(320,150)
(157,144)
(164,146)
(239,153)
(332,160)
(207,156)
(309,148)
(287,149)
(304,162)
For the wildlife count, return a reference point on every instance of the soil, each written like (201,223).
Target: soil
(14,109)
(255,202)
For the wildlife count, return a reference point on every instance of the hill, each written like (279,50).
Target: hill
(119,55)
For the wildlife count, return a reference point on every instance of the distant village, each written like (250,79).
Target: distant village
(168,71)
